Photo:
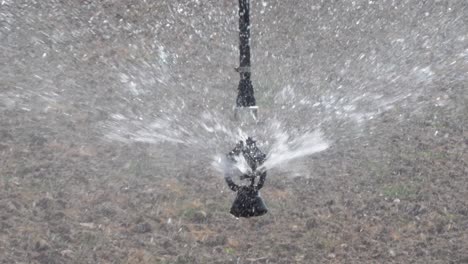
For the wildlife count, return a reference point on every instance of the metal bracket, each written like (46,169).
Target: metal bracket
(243,111)
(242,69)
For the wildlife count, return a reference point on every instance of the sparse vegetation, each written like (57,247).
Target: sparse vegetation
(391,188)
(399,192)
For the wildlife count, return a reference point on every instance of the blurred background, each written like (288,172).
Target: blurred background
(112,113)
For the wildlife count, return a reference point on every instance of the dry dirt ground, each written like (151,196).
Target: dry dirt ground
(398,193)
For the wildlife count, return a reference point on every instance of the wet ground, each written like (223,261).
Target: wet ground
(385,82)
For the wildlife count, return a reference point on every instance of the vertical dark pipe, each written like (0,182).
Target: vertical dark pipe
(245,97)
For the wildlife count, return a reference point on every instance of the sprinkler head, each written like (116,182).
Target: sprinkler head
(248,202)
(251,153)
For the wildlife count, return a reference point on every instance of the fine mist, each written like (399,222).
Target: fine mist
(115,117)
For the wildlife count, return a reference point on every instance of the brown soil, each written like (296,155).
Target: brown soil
(397,193)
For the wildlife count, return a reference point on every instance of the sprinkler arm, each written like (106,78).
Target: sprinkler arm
(245,98)
(248,202)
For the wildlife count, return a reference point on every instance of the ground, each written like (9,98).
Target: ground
(391,188)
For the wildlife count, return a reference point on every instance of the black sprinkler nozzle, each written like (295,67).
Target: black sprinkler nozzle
(248,202)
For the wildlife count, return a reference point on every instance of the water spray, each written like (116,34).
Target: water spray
(248,202)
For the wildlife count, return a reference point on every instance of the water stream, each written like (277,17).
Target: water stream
(319,78)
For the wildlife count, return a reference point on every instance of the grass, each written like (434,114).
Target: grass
(194,214)
(229,251)
(432,155)
(141,168)
(399,191)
